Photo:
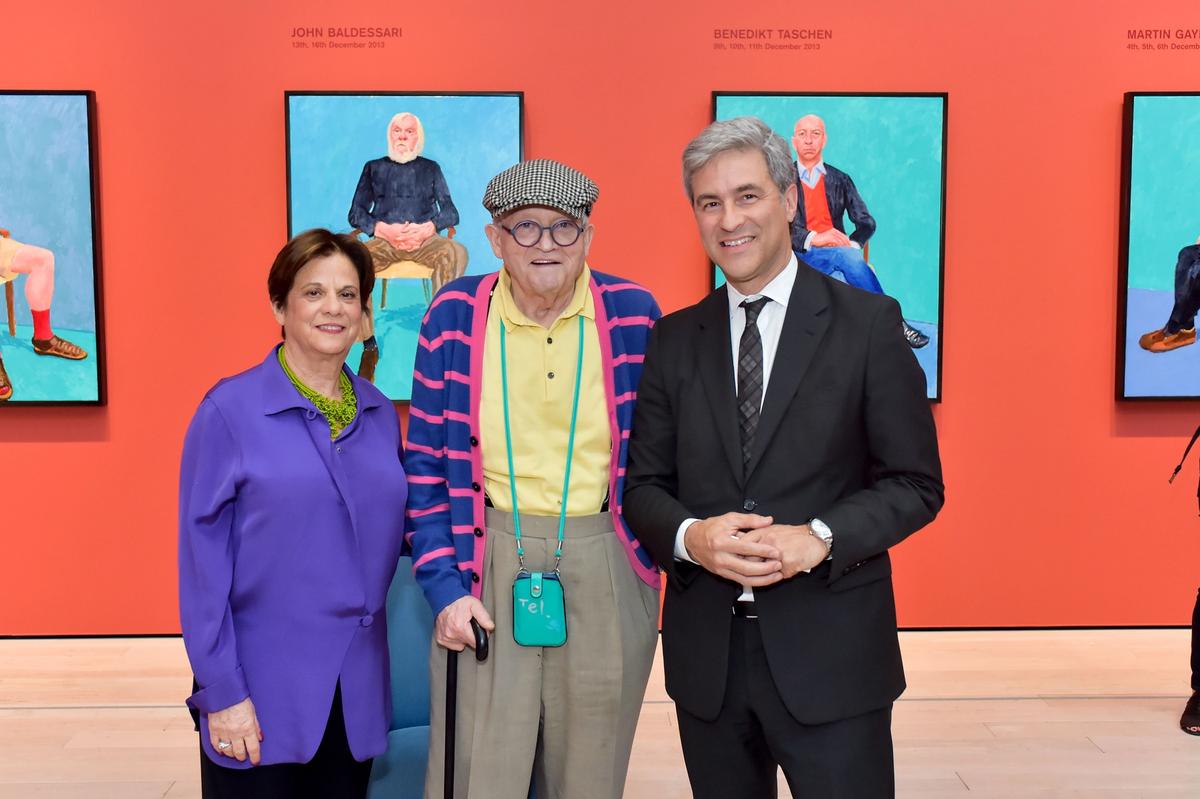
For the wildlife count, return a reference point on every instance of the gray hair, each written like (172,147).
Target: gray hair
(740,133)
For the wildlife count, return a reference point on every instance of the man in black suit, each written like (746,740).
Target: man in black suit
(781,444)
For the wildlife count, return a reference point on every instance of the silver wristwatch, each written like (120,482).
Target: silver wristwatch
(822,531)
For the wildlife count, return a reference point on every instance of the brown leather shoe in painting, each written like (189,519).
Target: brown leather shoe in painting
(1189,722)
(1148,340)
(6,389)
(1171,341)
(59,347)
(366,365)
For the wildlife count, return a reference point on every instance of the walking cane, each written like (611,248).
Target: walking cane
(481,653)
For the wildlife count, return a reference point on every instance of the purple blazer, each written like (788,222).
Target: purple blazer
(287,546)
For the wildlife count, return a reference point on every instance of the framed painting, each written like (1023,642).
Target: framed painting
(51,336)
(405,173)
(873,167)
(1159,276)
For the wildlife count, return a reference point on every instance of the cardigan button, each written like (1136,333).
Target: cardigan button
(475,487)
(474,441)
(478,533)
(367,620)
(474,578)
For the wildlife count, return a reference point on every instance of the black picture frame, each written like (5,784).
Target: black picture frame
(1157,170)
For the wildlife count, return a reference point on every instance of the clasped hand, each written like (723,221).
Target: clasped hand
(407,236)
(751,550)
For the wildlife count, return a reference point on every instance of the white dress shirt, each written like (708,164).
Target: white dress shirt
(770,326)
(770,319)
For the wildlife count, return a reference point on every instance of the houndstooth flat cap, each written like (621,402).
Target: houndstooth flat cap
(541,182)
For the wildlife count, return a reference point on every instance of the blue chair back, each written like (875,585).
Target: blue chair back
(399,773)
(410,630)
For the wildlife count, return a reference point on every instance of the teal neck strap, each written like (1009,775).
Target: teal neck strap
(512,480)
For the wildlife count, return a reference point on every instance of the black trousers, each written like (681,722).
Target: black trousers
(333,773)
(1187,290)
(736,755)
(1196,644)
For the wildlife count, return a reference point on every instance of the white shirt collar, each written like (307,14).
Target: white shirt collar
(810,176)
(779,289)
(817,169)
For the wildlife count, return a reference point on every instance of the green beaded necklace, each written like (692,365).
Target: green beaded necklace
(338,413)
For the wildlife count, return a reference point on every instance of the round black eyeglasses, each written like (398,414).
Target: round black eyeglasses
(528,233)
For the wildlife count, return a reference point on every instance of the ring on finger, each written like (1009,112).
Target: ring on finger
(224,745)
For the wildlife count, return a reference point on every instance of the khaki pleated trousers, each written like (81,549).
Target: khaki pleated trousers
(561,717)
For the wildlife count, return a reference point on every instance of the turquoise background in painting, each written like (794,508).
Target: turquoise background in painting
(46,200)
(1164,196)
(472,138)
(892,148)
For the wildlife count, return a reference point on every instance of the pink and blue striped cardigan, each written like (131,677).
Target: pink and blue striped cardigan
(444,524)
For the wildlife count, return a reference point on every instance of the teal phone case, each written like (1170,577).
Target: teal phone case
(539,609)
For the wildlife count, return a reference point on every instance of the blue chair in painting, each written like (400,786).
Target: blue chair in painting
(399,773)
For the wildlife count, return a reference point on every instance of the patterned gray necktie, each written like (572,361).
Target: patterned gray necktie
(750,376)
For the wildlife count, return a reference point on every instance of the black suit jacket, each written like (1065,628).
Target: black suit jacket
(846,435)
(843,199)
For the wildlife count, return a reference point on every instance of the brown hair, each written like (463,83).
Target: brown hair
(318,243)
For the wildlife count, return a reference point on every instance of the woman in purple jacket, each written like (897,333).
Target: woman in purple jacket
(291,511)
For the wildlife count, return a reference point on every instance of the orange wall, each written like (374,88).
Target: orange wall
(1058,510)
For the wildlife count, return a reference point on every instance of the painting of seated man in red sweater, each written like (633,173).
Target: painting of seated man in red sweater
(870,190)
(826,196)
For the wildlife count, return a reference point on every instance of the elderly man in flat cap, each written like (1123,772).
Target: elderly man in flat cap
(521,407)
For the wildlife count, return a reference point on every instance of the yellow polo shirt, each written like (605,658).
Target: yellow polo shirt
(541,385)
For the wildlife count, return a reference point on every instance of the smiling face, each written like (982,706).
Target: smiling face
(744,220)
(808,138)
(324,310)
(546,269)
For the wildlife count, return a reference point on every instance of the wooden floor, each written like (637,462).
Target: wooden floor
(987,714)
